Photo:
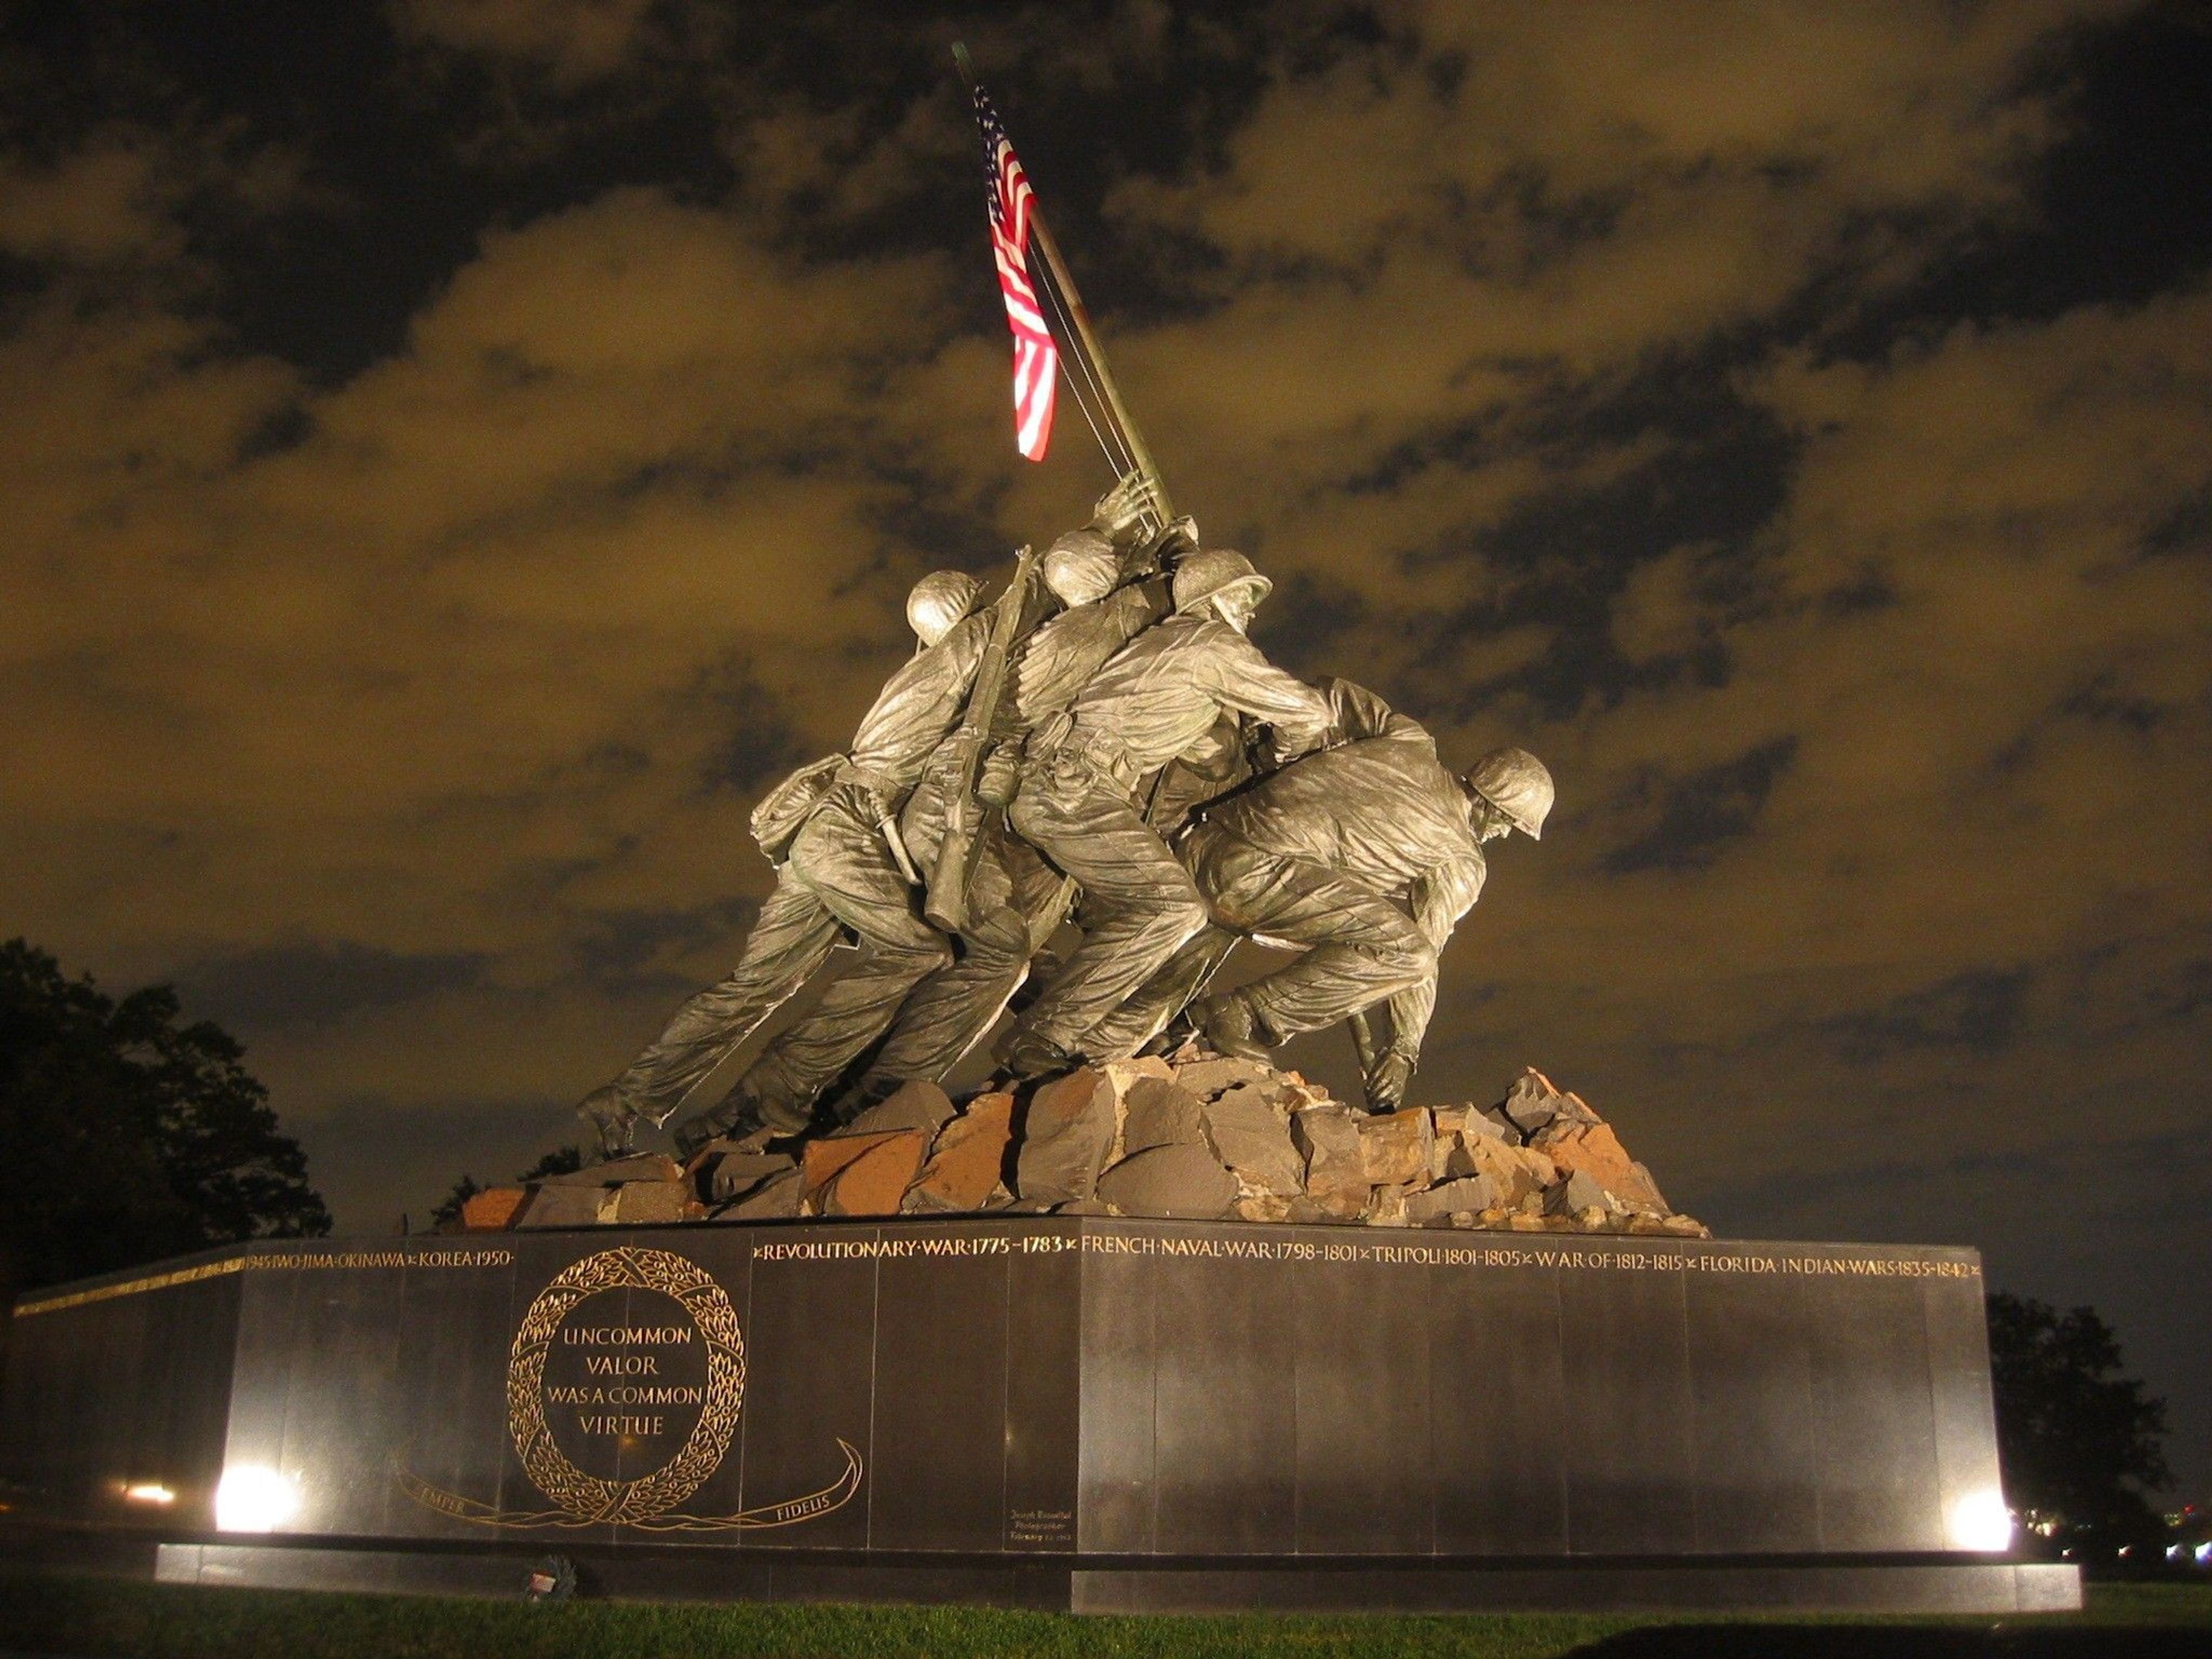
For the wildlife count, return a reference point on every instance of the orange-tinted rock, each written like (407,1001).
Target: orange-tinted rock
(1335,1170)
(1593,1150)
(874,1182)
(1515,1173)
(492,1210)
(1394,1146)
(826,1160)
(968,1158)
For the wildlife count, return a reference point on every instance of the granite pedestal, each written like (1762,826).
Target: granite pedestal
(1096,1414)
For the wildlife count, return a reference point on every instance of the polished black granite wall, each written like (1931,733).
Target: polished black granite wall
(1026,1387)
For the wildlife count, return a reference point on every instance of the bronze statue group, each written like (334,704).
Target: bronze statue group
(1106,748)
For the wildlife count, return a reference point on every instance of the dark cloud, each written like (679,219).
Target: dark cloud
(1699,813)
(1978,1011)
(317,983)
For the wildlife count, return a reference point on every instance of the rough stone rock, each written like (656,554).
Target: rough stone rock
(1211,1076)
(645,1202)
(875,1182)
(1515,1173)
(967,1159)
(728,1176)
(1126,1075)
(641,1166)
(1593,1150)
(492,1210)
(1579,1191)
(1393,1146)
(1066,1134)
(774,1200)
(1159,1113)
(1181,1181)
(1661,1203)
(914,1105)
(1336,1171)
(1532,1102)
(1196,1135)
(826,1159)
(569,1207)
(1387,1209)
(1253,1139)
(1468,1196)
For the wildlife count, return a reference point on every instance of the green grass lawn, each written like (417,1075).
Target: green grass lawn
(106,1617)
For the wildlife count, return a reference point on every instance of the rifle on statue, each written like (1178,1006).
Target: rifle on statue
(956,856)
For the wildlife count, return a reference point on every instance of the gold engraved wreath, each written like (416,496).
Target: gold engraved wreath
(586,1497)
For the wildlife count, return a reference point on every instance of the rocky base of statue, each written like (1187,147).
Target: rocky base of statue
(1191,1137)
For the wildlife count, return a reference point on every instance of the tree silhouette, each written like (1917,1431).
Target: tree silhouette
(2072,1432)
(128,1135)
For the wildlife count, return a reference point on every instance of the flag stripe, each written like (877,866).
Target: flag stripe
(1037,359)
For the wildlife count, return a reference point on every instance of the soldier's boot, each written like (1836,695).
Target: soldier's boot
(740,1115)
(1233,1025)
(1023,1054)
(613,1117)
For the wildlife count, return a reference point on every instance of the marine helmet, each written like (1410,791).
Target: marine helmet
(1518,784)
(1080,566)
(1212,571)
(938,603)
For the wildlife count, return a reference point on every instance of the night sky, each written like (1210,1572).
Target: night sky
(458,451)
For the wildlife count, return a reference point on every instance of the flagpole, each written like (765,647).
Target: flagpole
(1085,343)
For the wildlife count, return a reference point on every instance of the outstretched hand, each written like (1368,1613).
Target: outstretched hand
(1127,506)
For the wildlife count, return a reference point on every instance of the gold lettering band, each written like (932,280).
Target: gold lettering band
(258,1263)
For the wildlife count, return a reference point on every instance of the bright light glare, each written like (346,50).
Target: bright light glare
(2205,1554)
(1980,1522)
(149,1491)
(252,1498)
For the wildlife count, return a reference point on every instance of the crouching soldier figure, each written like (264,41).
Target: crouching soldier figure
(1366,854)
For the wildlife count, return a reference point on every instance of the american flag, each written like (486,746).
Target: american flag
(1037,360)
